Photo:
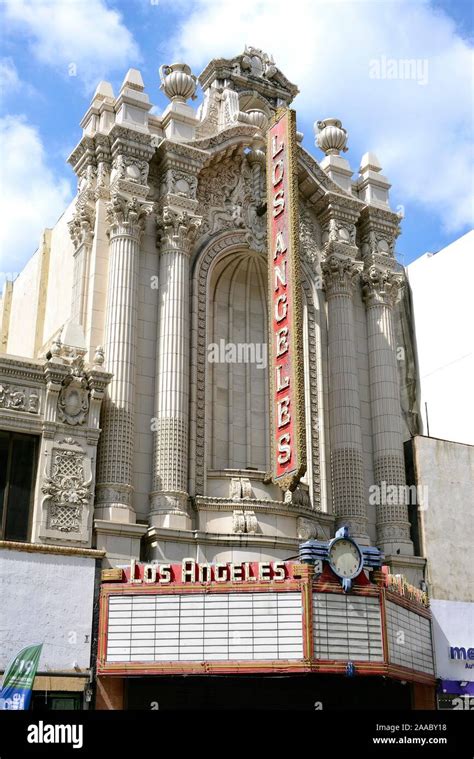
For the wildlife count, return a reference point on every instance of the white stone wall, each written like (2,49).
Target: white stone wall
(60,617)
(447,470)
(61,263)
(24,305)
(441,286)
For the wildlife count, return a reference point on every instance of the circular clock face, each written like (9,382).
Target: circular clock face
(345,558)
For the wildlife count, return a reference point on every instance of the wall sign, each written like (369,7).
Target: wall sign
(285,339)
(190,571)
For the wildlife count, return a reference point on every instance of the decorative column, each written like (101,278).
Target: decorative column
(126,219)
(169,497)
(341,275)
(381,283)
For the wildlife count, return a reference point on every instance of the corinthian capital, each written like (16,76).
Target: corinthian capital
(340,275)
(177,230)
(127,216)
(381,286)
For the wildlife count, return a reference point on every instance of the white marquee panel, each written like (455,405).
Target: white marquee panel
(205,627)
(347,627)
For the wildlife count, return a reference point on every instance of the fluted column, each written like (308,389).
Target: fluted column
(115,459)
(380,287)
(341,274)
(169,497)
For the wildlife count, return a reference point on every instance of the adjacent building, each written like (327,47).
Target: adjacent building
(441,459)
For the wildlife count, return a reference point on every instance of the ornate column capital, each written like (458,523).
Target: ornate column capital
(377,232)
(126,217)
(177,230)
(381,286)
(340,274)
(81,226)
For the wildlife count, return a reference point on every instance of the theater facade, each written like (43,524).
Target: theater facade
(201,364)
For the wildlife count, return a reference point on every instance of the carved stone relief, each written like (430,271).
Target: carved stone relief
(67,491)
(19,399)
(73,400)
(227,201)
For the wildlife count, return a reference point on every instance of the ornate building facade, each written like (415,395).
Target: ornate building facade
(145,447)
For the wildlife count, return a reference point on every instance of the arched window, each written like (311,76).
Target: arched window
(237,390)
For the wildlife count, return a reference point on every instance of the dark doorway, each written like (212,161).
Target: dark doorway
(296,692)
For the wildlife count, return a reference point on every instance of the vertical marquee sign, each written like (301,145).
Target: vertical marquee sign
(285,339)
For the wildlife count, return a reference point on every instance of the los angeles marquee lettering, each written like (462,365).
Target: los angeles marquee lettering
(192,572)
(288,461)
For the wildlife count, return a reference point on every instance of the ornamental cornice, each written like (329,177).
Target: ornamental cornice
(272,81)
(98,379)
(20,369)
(381,286)
(377,232)
(20,422)
(382,216)
(177,230)
(130,142)
(260,505)
(340,274)
(333,206)
(242,134)
(310,164)
(185,156)
(83,153)
(127,216)
(55,372)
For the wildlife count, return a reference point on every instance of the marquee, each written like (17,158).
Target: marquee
(277,617)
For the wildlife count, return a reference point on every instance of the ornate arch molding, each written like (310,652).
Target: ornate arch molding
(202,265)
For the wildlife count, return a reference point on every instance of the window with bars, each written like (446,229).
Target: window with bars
(18,460)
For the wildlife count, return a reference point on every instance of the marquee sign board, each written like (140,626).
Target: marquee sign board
(285,339)
(257,617)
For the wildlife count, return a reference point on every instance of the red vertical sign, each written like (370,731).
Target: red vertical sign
(285,352)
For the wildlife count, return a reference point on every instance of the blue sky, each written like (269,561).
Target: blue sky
(346,57)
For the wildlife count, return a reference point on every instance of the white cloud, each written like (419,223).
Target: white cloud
(9,79)
(421,132)
(10,82)
(82,38)
(31,196)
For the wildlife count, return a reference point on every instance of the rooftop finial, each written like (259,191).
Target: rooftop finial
(177,82)
(331,136)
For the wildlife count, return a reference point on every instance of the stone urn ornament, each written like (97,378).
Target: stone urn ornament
(331,136)
(257,118)
(178,83)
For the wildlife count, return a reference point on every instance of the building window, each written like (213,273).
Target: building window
(238,403)
(45,701)
(18,455)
